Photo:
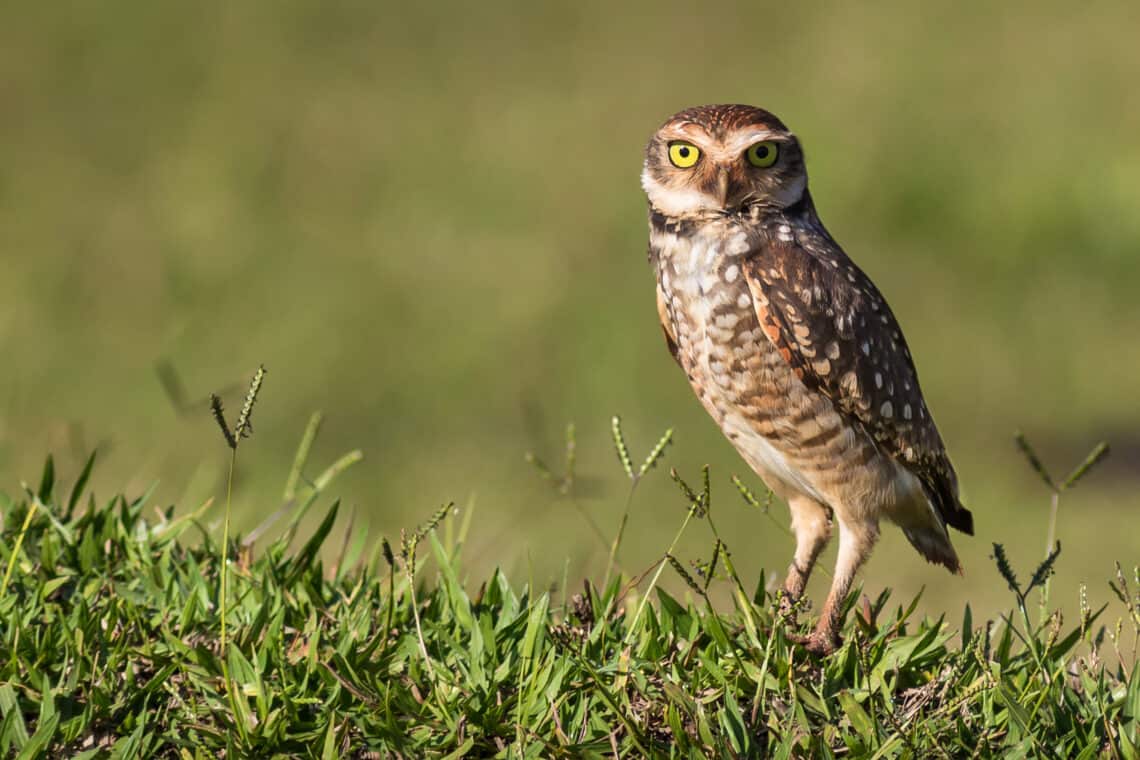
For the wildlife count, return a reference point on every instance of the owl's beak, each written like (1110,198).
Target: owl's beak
(722,187)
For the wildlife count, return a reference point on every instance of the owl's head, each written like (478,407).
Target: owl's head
(714,160)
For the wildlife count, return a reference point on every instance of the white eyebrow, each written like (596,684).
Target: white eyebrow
(740,142)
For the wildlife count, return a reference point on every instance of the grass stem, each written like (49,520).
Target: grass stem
(19,544)
(620,533)
(224,591)
(660,567)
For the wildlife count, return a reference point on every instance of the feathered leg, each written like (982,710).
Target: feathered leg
(811,522)
(856,539)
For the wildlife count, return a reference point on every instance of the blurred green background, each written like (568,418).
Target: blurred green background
(425,220)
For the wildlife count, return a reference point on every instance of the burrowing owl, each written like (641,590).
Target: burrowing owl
(791,348)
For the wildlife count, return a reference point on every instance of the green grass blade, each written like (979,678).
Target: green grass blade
(80,484)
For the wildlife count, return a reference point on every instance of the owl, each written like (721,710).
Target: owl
(792,349)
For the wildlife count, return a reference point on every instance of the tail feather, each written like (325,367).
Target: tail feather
(934,544)
(943,494)
(963,520)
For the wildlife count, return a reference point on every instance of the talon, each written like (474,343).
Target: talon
(819,643)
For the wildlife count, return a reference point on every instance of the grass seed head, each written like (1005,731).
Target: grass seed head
(620,447)
(219,413)
(244,426)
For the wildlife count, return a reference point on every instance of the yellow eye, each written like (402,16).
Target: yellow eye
(683,155)
(763,154)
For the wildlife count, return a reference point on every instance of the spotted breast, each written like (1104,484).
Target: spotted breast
(790,434)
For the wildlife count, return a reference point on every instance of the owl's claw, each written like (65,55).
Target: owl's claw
(820,643)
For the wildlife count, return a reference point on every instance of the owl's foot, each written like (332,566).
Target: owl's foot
(818,642)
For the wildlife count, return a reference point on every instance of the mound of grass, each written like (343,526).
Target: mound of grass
(112,634)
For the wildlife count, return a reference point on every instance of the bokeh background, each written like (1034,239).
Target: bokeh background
(425,219)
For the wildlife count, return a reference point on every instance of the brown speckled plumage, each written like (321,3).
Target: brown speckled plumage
(792,349)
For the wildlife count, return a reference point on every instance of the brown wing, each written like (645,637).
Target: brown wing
(667,326)
(830,323)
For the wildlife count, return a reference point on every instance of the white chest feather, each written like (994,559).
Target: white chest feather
(719,338)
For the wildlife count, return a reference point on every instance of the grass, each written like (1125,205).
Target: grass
(346,648)
(428,218)
(325,176)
